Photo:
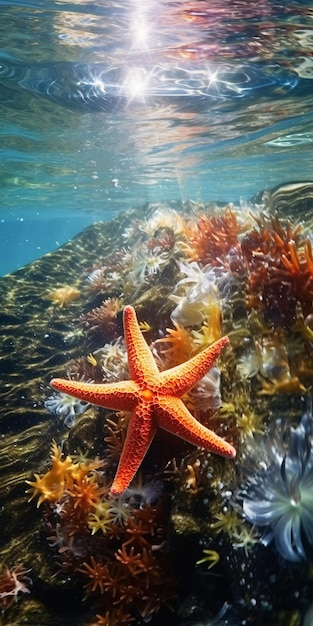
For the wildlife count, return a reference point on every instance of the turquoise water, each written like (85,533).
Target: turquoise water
(109,105)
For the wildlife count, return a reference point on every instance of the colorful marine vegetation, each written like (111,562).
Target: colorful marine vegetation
(154,399)
(113,546)
(110,537)
(280,270)
(278,491)
(214,238)
(62,475)
(13,584)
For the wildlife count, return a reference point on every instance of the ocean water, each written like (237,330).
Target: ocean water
(158,154)
(106,106)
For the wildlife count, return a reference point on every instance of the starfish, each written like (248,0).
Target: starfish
(153,397)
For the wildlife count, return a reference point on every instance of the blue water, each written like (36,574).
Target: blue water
(107,106)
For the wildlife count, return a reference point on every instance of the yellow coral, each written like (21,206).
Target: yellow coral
(250,423)
(211,329)
(229,522)
(62,475)
(62,296)
(101,519)
(51,486)
(211,557)
(284,385)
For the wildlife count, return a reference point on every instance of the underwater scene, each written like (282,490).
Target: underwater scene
(156,307)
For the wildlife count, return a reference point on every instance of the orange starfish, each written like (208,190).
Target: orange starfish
(153,397)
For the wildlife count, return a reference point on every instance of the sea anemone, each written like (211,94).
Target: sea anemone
(201,293)
(207,393)
(278,492)
(113,360)
(63,405)
(147,263)
(13,583)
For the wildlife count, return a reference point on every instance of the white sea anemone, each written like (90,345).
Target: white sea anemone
(278,493)
(66,406)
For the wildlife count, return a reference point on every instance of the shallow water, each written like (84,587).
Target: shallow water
(110,105)
(164,135)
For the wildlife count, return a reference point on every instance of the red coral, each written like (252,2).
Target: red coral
(280,271)
(103,319)
(215,237)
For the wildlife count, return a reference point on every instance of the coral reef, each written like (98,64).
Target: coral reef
(112,546)
(193,273)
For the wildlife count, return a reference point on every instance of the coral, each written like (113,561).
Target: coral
(13,583)
(249,424)
(277,493)
(228,521)
(211,557)
(63,405)
(114,548)
(108,512)
(211,329)
(85,492)
(52,485)
(107,275)
(180,346)
(288,384)
(214,239)
(60,477)
(133,579)
(102,321)
(280,268)
(63,296)
(246,539)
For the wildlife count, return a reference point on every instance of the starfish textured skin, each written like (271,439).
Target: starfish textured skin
(153,397)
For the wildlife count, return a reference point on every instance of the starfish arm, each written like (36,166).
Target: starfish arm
(178,380)
(142,366)
(140,432)
(173,416)
(121,396)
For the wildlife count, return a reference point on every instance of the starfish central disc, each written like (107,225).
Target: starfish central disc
(167,410)
(147,394)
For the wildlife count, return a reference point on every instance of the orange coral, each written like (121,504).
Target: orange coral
(124,571)
(85,492)
(180,345)
(213,237)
